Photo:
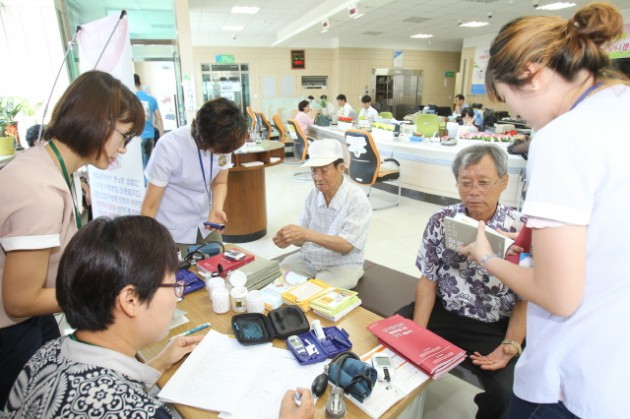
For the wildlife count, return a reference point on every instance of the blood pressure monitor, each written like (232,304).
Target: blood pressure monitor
(384,366)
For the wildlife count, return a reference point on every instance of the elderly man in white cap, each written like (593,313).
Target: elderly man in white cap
(333,227)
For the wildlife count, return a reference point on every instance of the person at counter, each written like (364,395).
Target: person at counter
(468,119)
(459,300)
(344,107)
(188,173)
(302,117)
(333,227)
(367,112)
(460,104)
(120,298)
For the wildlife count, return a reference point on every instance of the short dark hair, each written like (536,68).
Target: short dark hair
(136,80)
(342,97)
(468,112)
(220,126)
(337,162)
(302,105)
(104,257)
(366,99)
(85,116)
(32,134)
(460,96)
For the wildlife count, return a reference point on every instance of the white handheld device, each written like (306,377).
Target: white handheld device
(384,366)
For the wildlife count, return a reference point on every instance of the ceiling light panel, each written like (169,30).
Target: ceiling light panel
(245,10)
(421,36)
(473,24)
(556,6)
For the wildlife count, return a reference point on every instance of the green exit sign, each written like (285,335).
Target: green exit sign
(224,59)
(449,74)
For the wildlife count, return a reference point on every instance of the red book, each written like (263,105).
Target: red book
(433,354)
(213,263)
(523,240)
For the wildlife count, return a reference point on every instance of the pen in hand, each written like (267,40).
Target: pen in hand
(194,329)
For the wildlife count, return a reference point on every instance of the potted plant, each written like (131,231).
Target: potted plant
(9,108)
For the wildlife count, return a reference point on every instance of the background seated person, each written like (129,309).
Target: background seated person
(367,111)
(333,227)
(120,299)
(343,108)
(302,117)
(460,104)
(457,299)
(468,120)
(478,110)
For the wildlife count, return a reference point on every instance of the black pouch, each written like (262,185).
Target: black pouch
(254,328)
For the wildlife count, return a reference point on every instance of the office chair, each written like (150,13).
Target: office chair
(387,115)
(427,124)
(266,126)
(252,118)
(283,136)
(300,148)
(366,167)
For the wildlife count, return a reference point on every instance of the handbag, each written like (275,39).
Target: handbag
(322,120)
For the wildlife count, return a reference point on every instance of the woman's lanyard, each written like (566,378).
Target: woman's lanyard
(585,94)
(73,192)
(203,172)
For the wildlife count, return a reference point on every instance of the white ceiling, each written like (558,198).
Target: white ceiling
(384,24)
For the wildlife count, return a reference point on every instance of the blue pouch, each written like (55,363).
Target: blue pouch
(353,375)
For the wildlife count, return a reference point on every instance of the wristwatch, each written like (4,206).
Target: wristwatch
(485,259)
(515,344)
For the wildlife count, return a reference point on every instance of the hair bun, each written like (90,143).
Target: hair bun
(600,23)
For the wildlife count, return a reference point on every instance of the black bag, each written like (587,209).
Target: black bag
(322,120)
(519,147)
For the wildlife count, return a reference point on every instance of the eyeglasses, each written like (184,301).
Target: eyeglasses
(126,137)
(484,185)
(178,288)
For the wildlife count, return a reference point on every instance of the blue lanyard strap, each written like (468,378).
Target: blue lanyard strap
(203,172)
(73,192)
(585,94)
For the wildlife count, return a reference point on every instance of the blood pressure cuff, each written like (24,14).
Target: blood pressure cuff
(356,377)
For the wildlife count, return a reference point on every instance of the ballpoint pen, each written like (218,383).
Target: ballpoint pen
(194,329)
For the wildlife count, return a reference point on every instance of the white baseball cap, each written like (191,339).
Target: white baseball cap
(323,152)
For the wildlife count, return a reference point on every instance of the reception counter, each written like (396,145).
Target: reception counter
(426,166)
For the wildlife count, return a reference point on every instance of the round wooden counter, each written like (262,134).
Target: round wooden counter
(246,202)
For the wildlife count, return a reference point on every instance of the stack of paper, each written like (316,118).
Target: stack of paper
(384,395)
(335,303)
(303,294)
(222,375)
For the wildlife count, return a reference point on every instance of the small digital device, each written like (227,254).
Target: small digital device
(384,367)
(296,343)
(214,225)
(234,255)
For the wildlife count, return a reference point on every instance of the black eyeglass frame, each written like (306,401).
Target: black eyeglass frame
(178,287)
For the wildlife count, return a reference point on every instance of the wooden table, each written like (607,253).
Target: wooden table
(199,309)
(246,202)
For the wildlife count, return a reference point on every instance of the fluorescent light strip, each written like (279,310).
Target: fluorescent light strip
(422,36)
(556,6)
(245,10)
(473,24)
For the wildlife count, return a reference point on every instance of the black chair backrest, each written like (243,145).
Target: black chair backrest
(444,111)
(300,143)
(365,161)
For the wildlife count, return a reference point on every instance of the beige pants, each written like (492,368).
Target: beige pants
(337,276)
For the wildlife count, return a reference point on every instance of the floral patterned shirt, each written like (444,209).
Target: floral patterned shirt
(69,379)
(464,287)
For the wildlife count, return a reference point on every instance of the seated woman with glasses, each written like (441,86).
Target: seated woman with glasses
(120,298)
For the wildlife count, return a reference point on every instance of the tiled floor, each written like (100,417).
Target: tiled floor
(392,241)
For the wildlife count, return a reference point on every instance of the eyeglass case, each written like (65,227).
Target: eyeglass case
(337,341)
(255,328)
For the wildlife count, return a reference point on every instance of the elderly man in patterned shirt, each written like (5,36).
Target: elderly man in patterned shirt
(333,227)
(458,299)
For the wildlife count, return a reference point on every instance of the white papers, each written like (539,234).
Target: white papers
(385,395)
(241,381)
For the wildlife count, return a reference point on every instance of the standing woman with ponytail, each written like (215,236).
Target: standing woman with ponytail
(91,124)
(555,73)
